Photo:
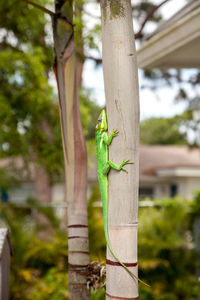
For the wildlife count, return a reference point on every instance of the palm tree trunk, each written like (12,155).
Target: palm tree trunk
(122,103)
(67,70)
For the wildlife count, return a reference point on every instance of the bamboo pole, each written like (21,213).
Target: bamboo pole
(122,103)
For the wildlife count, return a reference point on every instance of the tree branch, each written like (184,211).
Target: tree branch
(95,59)
(5,45)
(91,15)
(47,11)
(148,17)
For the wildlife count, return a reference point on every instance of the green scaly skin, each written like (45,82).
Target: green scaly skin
(103,167)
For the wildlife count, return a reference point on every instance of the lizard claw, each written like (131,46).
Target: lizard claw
(128,162)
(124,170)
(115,132)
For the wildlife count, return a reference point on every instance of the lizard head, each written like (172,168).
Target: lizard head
(102,122)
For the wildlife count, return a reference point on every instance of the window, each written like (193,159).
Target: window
(173,190)
(146,192)
(4,195)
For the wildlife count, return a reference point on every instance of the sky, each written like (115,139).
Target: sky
(159,104)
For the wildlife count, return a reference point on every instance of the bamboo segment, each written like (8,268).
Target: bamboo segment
(78,231)
(123,240)
(77,244)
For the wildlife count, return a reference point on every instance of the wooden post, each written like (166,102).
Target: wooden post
(122,103)
(5,253)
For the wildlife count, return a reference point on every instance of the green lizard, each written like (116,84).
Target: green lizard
(103,167)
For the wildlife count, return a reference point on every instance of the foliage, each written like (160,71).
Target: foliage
(162,131)
(184,80)
(29,124)
(181,129)
(39,262)
(195,207)
(100,295)
(7,179)
(140,12)
(166,251)
(52,285)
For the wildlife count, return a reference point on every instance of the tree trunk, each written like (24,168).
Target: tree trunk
(122,103)
(196,230)
(43,189)
(42,185)
(67,73)
(43,195)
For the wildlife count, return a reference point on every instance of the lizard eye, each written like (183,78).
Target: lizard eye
(99,121)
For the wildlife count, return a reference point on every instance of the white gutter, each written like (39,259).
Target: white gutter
(179,172)
(164,43)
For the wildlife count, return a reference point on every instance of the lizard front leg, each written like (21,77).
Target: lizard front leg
(108,139)
(120,167)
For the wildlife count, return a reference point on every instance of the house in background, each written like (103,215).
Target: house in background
(24,182)
(165,171)
(168,171)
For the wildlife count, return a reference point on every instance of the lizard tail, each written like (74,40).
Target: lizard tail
(121,263)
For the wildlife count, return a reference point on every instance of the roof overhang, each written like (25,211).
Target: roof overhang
(176,44)
(179,172)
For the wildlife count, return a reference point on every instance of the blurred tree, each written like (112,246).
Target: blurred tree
(186,81)
(162,131)
(28,115)
(89,113)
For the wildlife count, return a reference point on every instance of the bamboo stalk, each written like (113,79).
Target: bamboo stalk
(122,103)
